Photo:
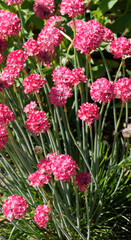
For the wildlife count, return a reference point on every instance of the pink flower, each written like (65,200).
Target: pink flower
(88,112)
(3,136)
(89,37)
(38,178)
(102,90)
(121,47)
(44,9)
(54,21)
(3,43)
(49,38)
(11,2)
(122,89)
(1,58)
(41,216)
(59,94)
(44,56)
(72,8)
(14,206)
(16,60)
(31,47)
(77,76)
(33,83)
(64,167)
(108,35)
(46,164)
(6,115)
(82,180)
(37,122)
(9,23)
(61,75)
(7,77)
(78,24)
(32,106)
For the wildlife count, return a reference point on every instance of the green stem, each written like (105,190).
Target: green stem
(77,208)
(105,63)
(88,221)
(22,25)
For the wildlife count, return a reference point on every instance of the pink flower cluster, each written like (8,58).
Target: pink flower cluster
(72,8)
(108,35)
(122,89)
(41,216)
(9,23)
(16,60)
(11,2)
(44,9)
(63,75)
(78,24)
(1,58)
(32,106)
(88,112)
(3,43)
(7,77)
(59,94)
(62,166)
(102,90)
(31,47)
(33,83)
(37,122)
(121,48)
(3,136)
(89,36)
(82,180)
(54,21)
(14,207)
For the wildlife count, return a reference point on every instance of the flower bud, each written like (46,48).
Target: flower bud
(38,150)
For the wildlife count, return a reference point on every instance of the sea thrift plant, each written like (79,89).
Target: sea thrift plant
(32,106)
(14,207)
(1,58)
(11,2)
(3,136)
(102,90)
(41,216)
(9,23)
(64,167)
(7,77)
(54,21)
(89,37)
(37,122)
(72,8)
(59,94)
(44,9)
(3,43)
(33,83)
(78,24)
(88,112)
(82,180)
(31,47)
(122,89)
(61,75)
(46,164)
(45,56)
(108,35)
(17,60)
(121,48)
(6,115)
(38,178)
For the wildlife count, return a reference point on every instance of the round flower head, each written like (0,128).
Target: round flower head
(7,77)
(38,178)
(46,164)
(49,38)
(41,216)
(33,83)
(44,9)
(89,37)
(16,60)
(45,57)
(32,106)
(54,21)
(11,2)
(82,180)
(6,115)
(126,132)
(88,112)
(3,136)
(102,90)
(122,89)
(77,76)
(72,8)
(3,43)
(37,122)
(61,75)
(121,47)
(108,35)
(1,58)
(14,206)
(64,167)
(9,23)
(78,24)
(31,47)
(59,94)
